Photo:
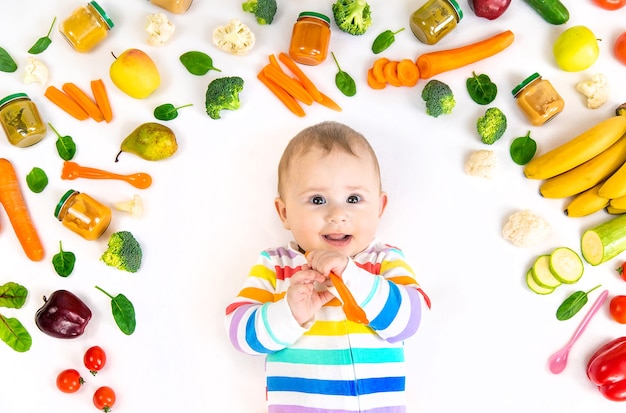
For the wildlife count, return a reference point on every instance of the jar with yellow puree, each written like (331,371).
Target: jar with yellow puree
(310,38)
(83,214)
(87,26)
(174,6)
(21,121)
(538,99)
(435,19)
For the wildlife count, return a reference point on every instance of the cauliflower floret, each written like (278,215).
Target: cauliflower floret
(159,29)
(596,90)
(35,71)
(481,163)
(133,206)
(235,38)
(525,229)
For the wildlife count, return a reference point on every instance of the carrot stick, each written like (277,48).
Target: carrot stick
(408,73)
(304,79)
(389,71)
(433,63)
(83,100)
(293,87)
(102,99)
(63,101)
(274,61)
(329,103)
(373,82)
(377,69)
(12,200)
(289,101)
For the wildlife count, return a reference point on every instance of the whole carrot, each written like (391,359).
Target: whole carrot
(13,202)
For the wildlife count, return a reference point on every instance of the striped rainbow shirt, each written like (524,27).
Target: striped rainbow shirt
(333,365)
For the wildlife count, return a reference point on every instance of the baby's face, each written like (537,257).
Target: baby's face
(332,201)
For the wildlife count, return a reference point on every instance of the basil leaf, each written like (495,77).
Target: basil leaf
(63,262)
(384,40)
(43,42)
(66,148)
(197,63)
(523,149)
(123,312)
(7,64)
(481,89)
(14,334)
(37,180)
(345,83)
(12,295)
(167,111)
(573,304)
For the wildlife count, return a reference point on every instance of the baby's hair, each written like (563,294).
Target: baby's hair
(328,136)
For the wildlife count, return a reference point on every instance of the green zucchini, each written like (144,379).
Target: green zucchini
(532,284)
(541,273)
(566,265)
(552,11)
(605,241)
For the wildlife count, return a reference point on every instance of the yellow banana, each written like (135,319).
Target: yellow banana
(587,174)
(615,185)
(577,150)
(615,211)
(586,203)
(618,203)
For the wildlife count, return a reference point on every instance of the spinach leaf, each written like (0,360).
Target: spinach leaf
(123,312)
(197,63)
(481,89)
(7,64)
(66,148)
(167,111)
(14,334)
(523,149)
(12,295)
(345,83)
(384,40)
(37,180)
(63,261)
(573,304)
(43,42)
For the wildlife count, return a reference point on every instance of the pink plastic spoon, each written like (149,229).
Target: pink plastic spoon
(558,360)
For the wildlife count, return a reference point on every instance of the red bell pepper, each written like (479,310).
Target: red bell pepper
(607,369)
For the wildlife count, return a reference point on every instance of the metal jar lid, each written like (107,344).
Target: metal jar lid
(525,83)
(102,13)
(315,15)
(13,97)
(62,201)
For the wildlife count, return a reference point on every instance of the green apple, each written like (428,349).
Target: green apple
(135,73)
(576,49)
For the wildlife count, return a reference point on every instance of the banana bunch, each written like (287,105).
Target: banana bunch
(590,168)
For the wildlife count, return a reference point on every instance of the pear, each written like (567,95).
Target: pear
(151,141)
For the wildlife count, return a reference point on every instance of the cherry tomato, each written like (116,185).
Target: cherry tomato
(617,308)
(95,358)
(621,270)
(619,48)
(610,4)
(69,381)
(104,398)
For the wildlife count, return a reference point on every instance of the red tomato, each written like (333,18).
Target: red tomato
(95,358)
(69,381)
(619,49)
(610,4)
(617,308)
(104,398)
(621,270)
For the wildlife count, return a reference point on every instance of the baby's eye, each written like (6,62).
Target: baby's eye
(353,199)
(318,200)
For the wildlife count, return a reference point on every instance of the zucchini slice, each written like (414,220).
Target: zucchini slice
(542,274)
(534,287)
(566,265)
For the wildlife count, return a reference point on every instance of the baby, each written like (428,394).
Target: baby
(317,360)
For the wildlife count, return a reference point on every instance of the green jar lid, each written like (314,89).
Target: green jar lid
(102,13)
(62,202)
(12,97)
(457,9)
(315,15)
(525,83)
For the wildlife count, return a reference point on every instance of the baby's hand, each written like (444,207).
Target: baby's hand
(303,298)
(326,262)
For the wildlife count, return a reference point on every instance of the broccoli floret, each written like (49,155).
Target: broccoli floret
(352,16)
(438,97)
(263,10)
(223,94)
(491,125)
(123,252)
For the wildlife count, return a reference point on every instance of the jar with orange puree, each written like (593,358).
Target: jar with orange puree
(174,6)
(82,214)
(538,99)
(87,26)
(310,38)
(435,19)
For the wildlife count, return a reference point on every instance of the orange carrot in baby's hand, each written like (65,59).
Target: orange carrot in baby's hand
(102,99)
(12,200)
(63,101)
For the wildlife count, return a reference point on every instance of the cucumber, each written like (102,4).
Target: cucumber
(566,265)
(541,273)
(605,241)
(534,287)
(552,11)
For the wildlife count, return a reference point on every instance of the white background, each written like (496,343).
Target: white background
(209,212)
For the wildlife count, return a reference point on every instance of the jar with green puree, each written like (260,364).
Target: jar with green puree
(435,19)
(21,121)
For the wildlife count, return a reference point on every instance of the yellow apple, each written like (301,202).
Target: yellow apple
(576,49)
(135,73)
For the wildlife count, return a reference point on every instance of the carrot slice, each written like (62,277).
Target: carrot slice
(289,101)
(274,61)
(377,69)
(433,63)
(12,200)
(293,87)
(83,100)
(372,82)
(329,103)
(306,82)
(63,101)
(102,99)
(390,71)
(407,72)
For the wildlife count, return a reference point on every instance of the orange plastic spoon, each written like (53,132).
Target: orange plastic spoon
(72,170)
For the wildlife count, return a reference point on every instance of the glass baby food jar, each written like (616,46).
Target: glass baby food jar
(539,101)
(435,19)
(83,214)
(87,26)
(310,38)
(174,6)
(21,121)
